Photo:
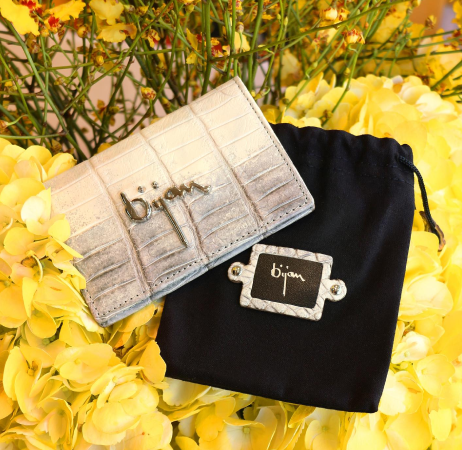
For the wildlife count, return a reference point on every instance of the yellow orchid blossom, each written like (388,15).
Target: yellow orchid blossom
(108,10)
(67,10)
(19,16)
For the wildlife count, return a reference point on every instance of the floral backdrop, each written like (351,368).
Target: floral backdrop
(359,65)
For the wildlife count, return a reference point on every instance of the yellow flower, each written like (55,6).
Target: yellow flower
(441,422)
(302,122)
(182,393)
(108,10)
(450,343)
(329,14)
(354,36)
(154,431)
(116,32)
(19,16)
(402,394)
(58,421)
(291,69)
(244,434)
(323,430)
(148,93)
(36,214)
(368,433)
(122,400)
(83,365)
(193,40)
(424,297)
(12,311)
(65,11)
(241,43)
(152,363)
(433,372)
(58,164)
(409,431)
(412,347)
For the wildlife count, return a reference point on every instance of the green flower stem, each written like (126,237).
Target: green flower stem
(253,44)
(43,88)
(445,77)
(208,45)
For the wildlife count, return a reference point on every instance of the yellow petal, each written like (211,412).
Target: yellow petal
(145,400)
(137,319)
(60,230)
(29,287)
(18,191)
(112,419)
(34,209)
(433,371)
(425,297)
(6,405)
(441,422)
(17,241)
(67,10)
(393,397)
(94,436)
(28,169)
(153,432)
(186,443)
(450,344)
(7,165)
(15,364)
(123,391)
(19,16)
(14,151)
(108,10)
(153,365)
(3,144)
(117,32)
(41,323)
(408,431)
(12,311)
(182,392)
(41,154)
(59,164)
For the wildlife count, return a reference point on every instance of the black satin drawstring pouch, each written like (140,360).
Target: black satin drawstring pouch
(364,194)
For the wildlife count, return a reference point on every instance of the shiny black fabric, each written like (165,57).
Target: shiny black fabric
(363,218)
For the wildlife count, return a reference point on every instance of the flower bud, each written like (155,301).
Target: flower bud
(148,93)
(353,37)
(99,60)
(430,22)
(141,10)
(239,27)
(329,14)
(83,31)
(56,147)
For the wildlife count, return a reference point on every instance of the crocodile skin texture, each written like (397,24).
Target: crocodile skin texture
(247,273)
(221,140)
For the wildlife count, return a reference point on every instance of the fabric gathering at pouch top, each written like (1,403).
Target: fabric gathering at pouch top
(364,192)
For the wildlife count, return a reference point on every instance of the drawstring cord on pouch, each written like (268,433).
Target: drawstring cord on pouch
(430,224)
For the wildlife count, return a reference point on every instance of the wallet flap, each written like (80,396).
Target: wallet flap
(208,181)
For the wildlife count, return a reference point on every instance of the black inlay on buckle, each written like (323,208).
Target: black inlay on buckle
(287,280)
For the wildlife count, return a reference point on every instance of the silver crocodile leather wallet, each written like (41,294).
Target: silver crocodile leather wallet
(188,192)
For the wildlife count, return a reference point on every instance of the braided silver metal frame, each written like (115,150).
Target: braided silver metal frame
(333,290)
